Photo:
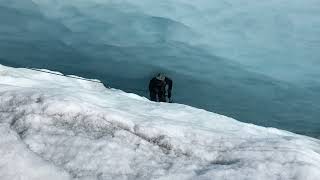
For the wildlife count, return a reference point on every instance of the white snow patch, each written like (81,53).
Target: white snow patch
(54,127)
(18,162)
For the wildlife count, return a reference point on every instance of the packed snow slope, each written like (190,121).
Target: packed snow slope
(55,127)
(258,60)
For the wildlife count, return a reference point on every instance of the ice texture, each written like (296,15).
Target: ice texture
(55,127)
(255,61)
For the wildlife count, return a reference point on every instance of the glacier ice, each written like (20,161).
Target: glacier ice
(252,60)
(55,127)
(269,36)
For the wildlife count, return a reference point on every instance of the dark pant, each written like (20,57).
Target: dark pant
(159,96)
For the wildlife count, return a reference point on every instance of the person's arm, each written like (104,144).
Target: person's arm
(151,84)
(169,83)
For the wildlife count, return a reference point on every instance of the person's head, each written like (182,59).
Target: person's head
(161,77)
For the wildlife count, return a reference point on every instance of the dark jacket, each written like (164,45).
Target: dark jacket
(159,87)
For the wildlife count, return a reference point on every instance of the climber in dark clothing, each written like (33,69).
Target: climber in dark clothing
(157,88)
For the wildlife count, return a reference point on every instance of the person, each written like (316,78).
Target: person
(158,86)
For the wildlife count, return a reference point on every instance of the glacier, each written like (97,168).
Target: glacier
(56,127)
(254,61)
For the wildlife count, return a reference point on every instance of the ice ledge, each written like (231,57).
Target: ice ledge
(92,132)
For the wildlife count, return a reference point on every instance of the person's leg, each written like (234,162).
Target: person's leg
(153,96)
(162,96)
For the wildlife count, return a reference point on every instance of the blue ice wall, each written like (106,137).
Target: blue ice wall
(255,61)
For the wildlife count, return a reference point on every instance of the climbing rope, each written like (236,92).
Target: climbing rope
(96,81)
(68,76)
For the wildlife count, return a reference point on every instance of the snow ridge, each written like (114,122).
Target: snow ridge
(74,129)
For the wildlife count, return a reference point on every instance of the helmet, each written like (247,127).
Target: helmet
(161,77)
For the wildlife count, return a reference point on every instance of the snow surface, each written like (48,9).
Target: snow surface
(210,47)
(54,127)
